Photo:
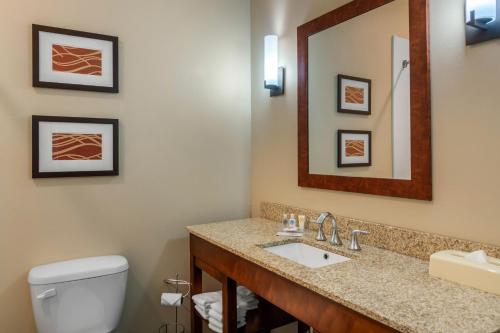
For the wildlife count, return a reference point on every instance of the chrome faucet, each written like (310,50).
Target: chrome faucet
(335,240)
(320,220)
(354,246)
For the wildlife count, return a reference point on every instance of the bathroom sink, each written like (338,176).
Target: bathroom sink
(306,255)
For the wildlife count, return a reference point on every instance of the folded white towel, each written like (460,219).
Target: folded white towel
(240,315)
(202,312)
(215,328)
(245,299)
(201,309)
(215,323)
(253,306)
(205,299)
(244,291)
(205,306)
(249,304)
(218,324)
(241,306)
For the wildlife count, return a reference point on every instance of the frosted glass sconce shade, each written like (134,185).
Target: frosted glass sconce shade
(273,74)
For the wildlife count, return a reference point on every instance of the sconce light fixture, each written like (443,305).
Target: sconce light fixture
(274,76)
(479,13)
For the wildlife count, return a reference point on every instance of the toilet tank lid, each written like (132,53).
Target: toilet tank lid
(77,269)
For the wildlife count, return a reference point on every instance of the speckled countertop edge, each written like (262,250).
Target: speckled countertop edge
(401,295)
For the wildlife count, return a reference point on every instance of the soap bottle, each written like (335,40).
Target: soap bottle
(292,222)
(284,222)
(302,222)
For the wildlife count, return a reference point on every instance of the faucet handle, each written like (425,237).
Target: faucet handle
(354,246)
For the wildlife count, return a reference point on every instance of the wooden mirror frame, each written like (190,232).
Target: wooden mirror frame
(420,185)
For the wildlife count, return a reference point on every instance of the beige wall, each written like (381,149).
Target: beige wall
(354,48)
(184,108)
(466,122)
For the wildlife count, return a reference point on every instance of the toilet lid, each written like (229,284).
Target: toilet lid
(77,269)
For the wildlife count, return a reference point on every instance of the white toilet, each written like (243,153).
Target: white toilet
(79,296)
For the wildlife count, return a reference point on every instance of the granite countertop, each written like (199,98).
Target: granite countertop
(391,288)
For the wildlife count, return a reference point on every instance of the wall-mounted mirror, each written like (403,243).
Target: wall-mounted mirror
(364,114)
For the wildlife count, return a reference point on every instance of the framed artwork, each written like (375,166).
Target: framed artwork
(481,21)
(354,95)
(74,147)
(77,60)
(354,148)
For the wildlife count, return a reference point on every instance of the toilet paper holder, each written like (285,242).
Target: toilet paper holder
(179,283)
(176,327)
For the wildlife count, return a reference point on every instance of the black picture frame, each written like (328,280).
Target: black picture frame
(340,133)
(36,173)
(36,29)
(340,109)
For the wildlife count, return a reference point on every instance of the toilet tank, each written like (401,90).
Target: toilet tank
(79,296)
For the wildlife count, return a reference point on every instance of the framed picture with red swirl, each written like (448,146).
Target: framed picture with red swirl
(354,95)
(77,60)
(354,148)
(74,147)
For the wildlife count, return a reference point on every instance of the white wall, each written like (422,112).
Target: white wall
(184,109)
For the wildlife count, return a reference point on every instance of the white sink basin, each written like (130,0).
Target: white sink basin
(306,255)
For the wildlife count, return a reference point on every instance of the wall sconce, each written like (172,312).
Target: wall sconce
(274,76)
(478,13)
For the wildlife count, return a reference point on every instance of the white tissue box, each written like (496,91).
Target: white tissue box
(452,265)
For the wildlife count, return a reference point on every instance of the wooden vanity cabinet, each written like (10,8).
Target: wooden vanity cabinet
(282,300)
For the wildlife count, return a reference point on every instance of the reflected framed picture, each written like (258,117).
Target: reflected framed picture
(354,95)
(354,148)
(77,60)
(74,147)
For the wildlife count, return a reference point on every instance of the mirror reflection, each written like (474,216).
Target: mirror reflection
(359,96)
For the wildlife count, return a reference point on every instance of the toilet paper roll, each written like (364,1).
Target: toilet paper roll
(171,299)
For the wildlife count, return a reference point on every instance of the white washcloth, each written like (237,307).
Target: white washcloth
(202,312)
(207,298)
(240,315)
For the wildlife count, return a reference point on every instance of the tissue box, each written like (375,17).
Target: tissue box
(452,265)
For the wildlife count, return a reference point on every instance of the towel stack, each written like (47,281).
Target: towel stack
(209,306)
